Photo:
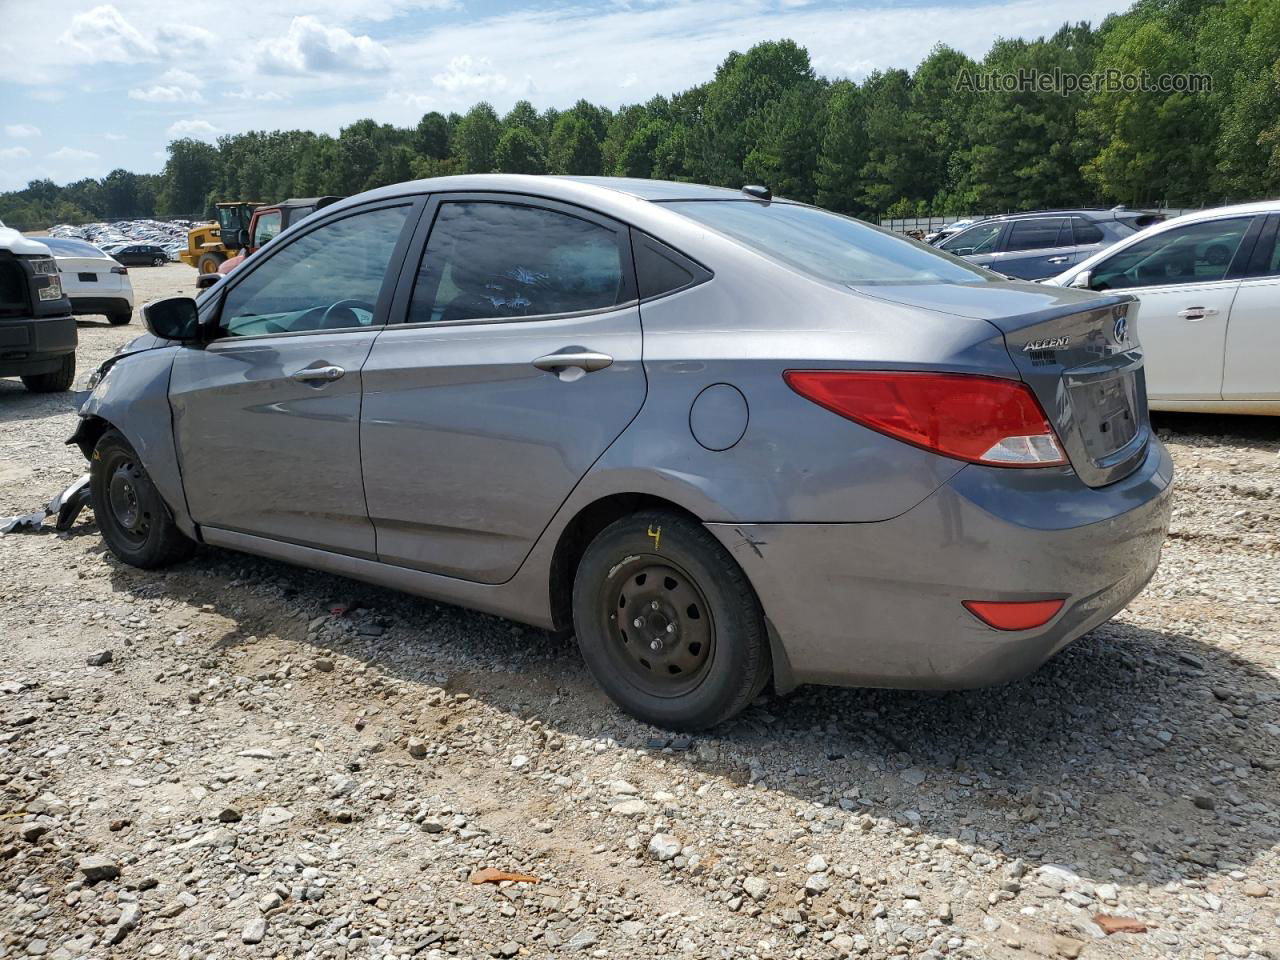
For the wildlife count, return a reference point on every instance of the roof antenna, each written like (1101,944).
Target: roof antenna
(757,191)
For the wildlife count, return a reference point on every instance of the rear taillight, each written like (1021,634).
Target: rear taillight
(119,269)
(978,419)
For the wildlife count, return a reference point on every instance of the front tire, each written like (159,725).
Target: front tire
(55,381)
(119,318)
(209,263)
(134,520)
(158,261)
(668,623)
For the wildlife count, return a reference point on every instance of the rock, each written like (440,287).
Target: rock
(664,847)
(324,665)
(756,888)
(97,868)
(816,864)
(519,761)
(582,940)
(631,807)
(124,926)
(913,776)
(433,825)
(417,748)
(620,788)
(816,884)
(229,814)
(31,832)
(254,931)
(1067,946)
(1254,889)
(272,817)
(508,949)
(99,658)
(220,837)
(1203,801)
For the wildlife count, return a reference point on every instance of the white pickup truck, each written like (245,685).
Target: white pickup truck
(37,330)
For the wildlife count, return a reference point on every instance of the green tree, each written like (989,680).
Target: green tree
(843,152)
(474,143)
(574,147)
(520,152)
(191,167)
(431,137)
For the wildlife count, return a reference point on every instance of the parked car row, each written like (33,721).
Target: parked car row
(167,236)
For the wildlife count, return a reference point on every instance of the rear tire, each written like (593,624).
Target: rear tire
(133,518)
(119,318)
(209,263)
(158,262)
(668,623)
(55,381)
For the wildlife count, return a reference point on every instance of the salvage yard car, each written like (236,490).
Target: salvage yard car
(1209,283)
(1040,244)
(723,437)
(37,331)
(96,283)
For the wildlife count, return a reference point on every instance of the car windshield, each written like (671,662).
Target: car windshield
(829,246)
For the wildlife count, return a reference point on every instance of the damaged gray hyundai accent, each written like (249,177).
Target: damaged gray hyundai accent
(727,439)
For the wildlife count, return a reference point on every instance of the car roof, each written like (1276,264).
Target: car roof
(71,247)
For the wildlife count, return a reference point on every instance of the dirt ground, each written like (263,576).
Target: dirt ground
(239,758)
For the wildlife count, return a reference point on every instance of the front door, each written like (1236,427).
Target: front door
(1183,279)
(519,364)
(1035,248)
(267,416)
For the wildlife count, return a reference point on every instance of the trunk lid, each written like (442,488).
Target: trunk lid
(1079,354)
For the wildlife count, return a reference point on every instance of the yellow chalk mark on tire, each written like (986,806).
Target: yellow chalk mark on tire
(656,537)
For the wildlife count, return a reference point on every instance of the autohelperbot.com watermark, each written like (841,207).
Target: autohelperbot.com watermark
(1064,82)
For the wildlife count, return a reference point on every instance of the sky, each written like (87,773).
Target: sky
(86,87)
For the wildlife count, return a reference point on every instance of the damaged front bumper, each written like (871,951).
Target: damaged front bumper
(66,506)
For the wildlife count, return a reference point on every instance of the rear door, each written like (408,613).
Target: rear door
(1088,238)
(1187,279)
(519,363)
(1035,248)
(1253,331)
(977,244)
(267,416)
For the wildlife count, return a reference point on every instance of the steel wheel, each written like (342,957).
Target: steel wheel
(662,636)
(132,519)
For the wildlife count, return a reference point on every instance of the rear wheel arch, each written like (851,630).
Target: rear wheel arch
(578,534)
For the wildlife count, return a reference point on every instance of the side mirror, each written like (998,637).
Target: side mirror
(173,318)
(242,237)
(1081,280)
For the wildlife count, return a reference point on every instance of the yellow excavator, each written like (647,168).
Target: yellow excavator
(210,244)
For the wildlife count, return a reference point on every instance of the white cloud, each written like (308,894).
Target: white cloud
(181,78)
(266,96)
(103,34)
(14,153)
(161,94)
(465,75)
(115,136)
(176,40)
(66,154)
(20,131)
(193,128)
(311,47)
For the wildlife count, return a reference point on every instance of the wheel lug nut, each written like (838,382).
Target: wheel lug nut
(654,604)
(638,621)
(655,645)
(671,628)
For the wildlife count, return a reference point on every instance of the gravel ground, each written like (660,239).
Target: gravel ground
(238,758)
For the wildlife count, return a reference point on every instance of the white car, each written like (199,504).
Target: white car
(96,283)
(1209,323)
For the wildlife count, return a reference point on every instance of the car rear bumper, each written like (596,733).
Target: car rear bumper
(103,305)
(880,604)
(35,345)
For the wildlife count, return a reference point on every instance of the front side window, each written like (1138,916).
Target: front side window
(828,246)
(268,226)
(1036,234)
(1196,253)
(980,238)
(329,278)
(487,260)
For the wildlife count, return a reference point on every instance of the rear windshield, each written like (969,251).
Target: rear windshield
(828,246)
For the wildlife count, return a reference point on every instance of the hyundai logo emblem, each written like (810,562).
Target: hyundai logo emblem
(1121,329)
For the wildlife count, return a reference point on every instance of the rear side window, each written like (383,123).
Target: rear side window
(661,270)
(980,238)
(1085,232)
(1195,253)
(828,246)
(1036,234)
(487,260)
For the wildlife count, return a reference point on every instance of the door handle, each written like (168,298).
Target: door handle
(585,360)
(1197,313)
(1058,259)
(319,374)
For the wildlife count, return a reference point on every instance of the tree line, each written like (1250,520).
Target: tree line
(931,141)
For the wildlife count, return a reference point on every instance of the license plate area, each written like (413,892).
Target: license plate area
(1107,410)
(87,277)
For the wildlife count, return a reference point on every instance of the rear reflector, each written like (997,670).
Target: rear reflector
(979,419)
(119,269)
(1016,615)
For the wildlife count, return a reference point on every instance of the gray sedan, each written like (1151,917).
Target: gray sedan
(728,439)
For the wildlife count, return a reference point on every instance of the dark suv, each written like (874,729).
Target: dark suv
(37,331)
(1033,246)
